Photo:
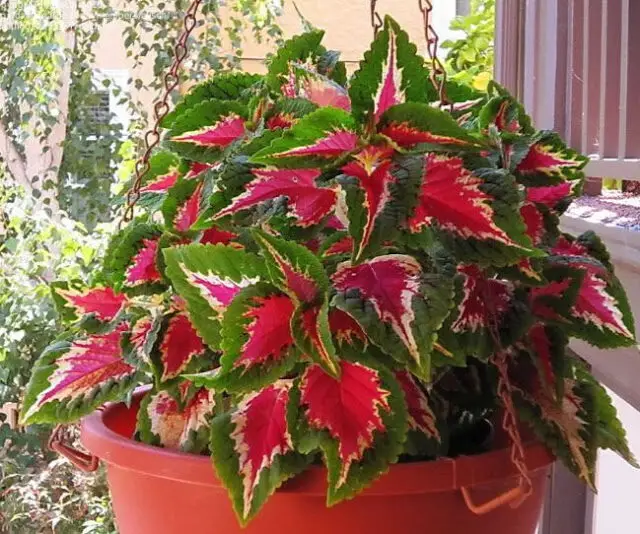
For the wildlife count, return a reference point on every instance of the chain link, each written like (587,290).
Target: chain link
(161,108)
(438,73)
(510,422)
(376,19)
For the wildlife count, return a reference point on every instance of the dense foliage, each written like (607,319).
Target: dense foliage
(471,56)
(339,271)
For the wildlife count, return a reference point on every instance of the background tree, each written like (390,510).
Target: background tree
(471,57)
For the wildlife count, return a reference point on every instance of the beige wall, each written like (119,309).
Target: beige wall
(346,24)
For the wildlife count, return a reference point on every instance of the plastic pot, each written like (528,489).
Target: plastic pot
(158,491)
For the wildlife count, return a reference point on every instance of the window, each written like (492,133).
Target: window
(463,8)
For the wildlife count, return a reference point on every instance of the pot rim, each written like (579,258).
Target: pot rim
(445,474)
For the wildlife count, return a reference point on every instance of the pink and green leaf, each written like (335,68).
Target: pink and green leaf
(344,328)
(208,277)
(257,340)
(182,424)
(293,268)
(451,197)
(359,434)
(252,449)
(131,264)
(311,330)
(103,303)
(416,126)
(202,132)
(314,141)
(391,74)
(420,415)
(309,204)
(71,379)
(551,157)
(161,184)
(389,294)
(372,169)
(180,344)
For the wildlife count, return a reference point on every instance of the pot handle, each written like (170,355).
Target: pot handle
(82,460)
(514,497)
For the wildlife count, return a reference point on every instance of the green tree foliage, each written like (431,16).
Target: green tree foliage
(470,58)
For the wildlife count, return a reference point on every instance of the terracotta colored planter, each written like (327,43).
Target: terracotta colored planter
(157,491)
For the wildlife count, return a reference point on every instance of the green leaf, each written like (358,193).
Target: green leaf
(207,276)
(228,86)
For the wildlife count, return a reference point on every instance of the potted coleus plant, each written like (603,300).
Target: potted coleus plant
(341,284)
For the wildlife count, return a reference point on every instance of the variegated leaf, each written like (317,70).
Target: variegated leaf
(314,141)
(162,183)
(252,449)
(372,169)
(72,379)
(359,434)
(103,303)
(257,340)
(412,124)
(308,203)
(222,133)
(180,344)
(345,328)
(421,416)
(389,294)
(452,197)
(208,277)
(184,425)
(392,73)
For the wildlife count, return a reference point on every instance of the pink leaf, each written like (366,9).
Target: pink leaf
(196,169)
(549,196)
(281,121)
(372,168)
(484,301)
(564,247)
(308,203)
(335,144)
(534,222)
(215,235)
(88,365)
(545,159)
(349,408)
(103,302)
(260,435)
(389,92)
(421,416)
(221,134)
(407,136)
(217,290)
(555,290)
(143,267)
(389,283)
(343,246)
(180,344)
(594,305)
(451,195)
(324,92)
(269,331)
(161,184)
(345,328)
(188,213)
(311,330)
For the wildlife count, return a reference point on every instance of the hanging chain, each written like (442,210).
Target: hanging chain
(161,108)
(438,73)
(376,19)
(510,421)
